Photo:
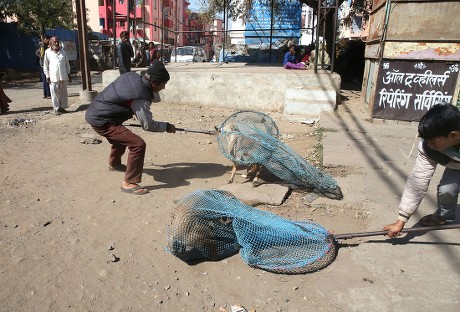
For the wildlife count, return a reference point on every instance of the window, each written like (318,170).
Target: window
(122,24)
(121,1)
(101,2)
(102,22)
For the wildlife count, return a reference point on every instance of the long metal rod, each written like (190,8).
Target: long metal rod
(409,230)
(180,129)
(197,131)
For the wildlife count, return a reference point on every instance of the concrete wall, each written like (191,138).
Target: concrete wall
(241,86)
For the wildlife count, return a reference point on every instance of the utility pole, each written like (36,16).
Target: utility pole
(114,32)
(87,94)
(83,44)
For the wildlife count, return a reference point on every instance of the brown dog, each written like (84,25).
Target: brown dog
(253,172)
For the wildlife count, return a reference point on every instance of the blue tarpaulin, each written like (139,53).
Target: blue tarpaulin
(17,50)
(286,22)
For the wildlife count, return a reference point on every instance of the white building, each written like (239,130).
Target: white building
(308,35)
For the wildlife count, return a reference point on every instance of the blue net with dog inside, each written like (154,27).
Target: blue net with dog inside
(245,141)
(262,121)
(213,224)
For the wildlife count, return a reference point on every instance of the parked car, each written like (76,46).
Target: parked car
(188,54)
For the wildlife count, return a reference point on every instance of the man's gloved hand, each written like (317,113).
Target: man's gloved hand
(170,128)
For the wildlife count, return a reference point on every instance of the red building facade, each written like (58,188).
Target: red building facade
(145,20)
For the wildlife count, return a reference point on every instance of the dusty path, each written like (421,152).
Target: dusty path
(63,220)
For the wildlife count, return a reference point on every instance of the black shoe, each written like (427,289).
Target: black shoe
(432,220)
(62,111)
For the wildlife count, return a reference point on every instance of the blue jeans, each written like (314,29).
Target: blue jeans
(46,86)
(448,189)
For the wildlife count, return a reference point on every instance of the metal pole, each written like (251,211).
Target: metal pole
(225,33)
(177,25)
(80,44)
(143,20)
(324,39)
(162,27)
(409,230)
(128,20)
(114,30)
(134,21)
(84,67)
(271,31)
(336,9)
(318,19)
(177,29)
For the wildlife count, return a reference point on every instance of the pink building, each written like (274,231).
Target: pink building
(176,26)
(145,19)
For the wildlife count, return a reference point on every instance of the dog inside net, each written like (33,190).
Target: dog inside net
(260,120)
(213,224)
(245,141)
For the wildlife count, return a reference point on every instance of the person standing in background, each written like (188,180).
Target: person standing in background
(57,71)
(290,59)
(124,53)
(4,101)
(41,55)
(139,55)
(153,52)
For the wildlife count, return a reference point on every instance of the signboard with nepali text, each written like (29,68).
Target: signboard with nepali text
(406,90)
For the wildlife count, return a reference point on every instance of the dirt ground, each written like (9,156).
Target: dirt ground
(71,241)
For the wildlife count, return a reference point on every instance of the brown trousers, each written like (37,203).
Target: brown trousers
(121,137)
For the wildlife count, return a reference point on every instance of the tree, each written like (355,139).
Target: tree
(242,9)
(34,16)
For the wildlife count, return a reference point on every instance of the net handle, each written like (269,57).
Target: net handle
(181,129)
(417,229)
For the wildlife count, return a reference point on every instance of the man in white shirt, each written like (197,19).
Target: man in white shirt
(57,71)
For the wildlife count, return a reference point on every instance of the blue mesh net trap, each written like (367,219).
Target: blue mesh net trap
(236,122)
(250,137)
(213,224)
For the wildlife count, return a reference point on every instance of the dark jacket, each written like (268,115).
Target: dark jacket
(113,104)
(124,54)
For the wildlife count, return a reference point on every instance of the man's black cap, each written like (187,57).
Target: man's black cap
(157,72)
